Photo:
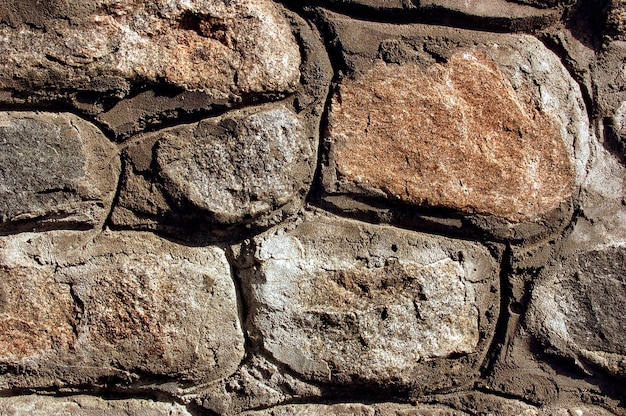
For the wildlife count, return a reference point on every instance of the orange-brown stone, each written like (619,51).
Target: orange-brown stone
(454,135)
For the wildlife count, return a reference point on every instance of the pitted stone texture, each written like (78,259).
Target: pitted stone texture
(358,409)
(56,171)
(578,305)
(224,48)
(80,307)
(457,136)
(346,302)
(616,20)
(235,168)
(483,126)
(86,406)
(257,384)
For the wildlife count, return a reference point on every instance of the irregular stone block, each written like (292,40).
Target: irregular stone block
(492,129)
(228,50)
(87,406)
(500,14)
(80,307)
(239,167)
(577,308)
(56,171)
(345,302)
(358,409)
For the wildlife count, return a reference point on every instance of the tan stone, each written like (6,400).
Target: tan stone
(455,135)
(358,409)
(79,307)
(82,405)
(223,48)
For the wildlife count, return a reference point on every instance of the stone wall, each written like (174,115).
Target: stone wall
(323,207)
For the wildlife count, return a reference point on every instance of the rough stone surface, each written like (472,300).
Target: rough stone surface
(488,407)
(56,170)
(616,20)
(578,308)
(345,302)
(227,49)
(257,384)
(358,409)
(86,406)
(511,143)
(233,168)
(79,307)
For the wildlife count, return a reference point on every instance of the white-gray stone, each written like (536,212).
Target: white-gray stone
(344,301)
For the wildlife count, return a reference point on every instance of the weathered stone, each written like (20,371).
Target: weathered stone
(578,305)
(616,20)
(56,171)
(488,128)
(80,307)
(342,301)
(234,168)
(226,49)
(491,404)
(257,384)
(87,406)
(358,409)
(497,13)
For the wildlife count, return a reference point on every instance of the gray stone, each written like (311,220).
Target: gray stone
(578,305)
(346,302)
(78,307)
(56,171)
(257,384)
(236,168)
(87,406)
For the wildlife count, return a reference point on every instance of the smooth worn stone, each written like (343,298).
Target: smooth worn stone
(82,405)
(228,49)
(80,307)
(497,12)
(56,171)
(577,308)
(461,123)
(357,409)
(231,169)
(346,302)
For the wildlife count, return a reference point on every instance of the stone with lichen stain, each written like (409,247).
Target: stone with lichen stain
(455,135)
(225,49)
(79,307)
(346,302)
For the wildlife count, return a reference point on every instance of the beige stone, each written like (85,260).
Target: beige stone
(81,405)
(224,48)
(455,135)
(357,409)
(80,307)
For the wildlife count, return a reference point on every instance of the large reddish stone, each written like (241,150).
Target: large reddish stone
(456,135)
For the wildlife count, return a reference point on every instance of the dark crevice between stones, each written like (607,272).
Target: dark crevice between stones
(434,15)
(116,196)
(242,304)
(502,331)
